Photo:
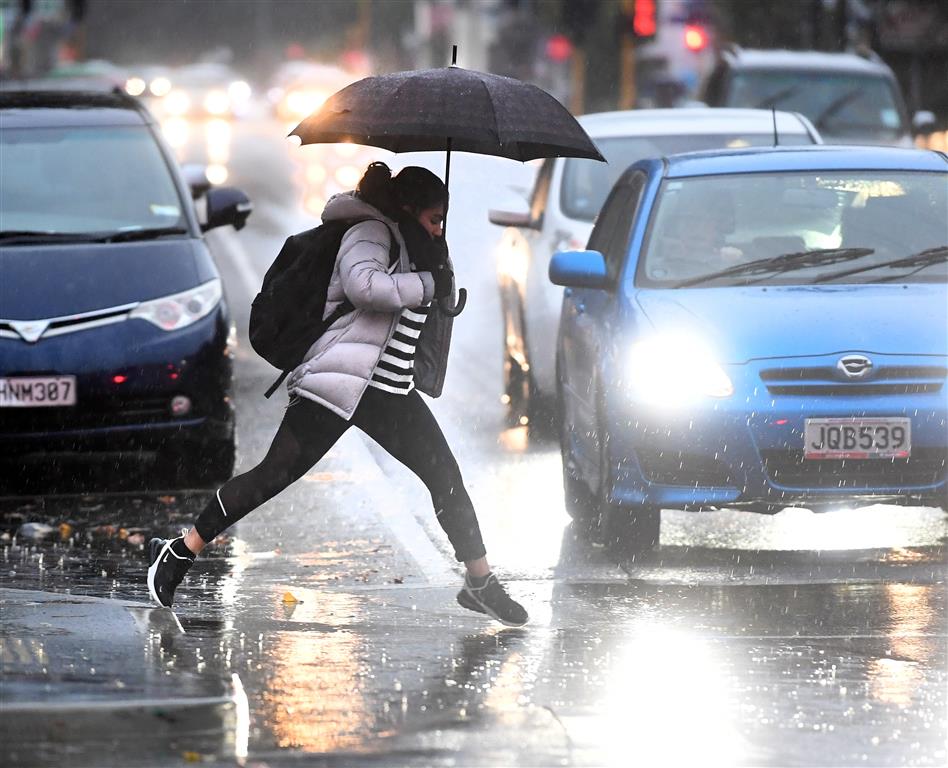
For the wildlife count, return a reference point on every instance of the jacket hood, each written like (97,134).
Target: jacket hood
(346,206)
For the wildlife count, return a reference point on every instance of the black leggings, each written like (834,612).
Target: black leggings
(402,424)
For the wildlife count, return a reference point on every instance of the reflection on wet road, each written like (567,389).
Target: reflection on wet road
(797,639)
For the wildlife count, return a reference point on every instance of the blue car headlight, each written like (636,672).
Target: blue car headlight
(180,310)
(673,370)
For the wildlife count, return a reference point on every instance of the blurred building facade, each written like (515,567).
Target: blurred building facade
(592,54)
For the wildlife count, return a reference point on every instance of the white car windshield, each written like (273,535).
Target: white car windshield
(798,228)
(85,180)
(586,183)
(841,106)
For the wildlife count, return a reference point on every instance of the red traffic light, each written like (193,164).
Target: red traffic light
(696,37)
(559,48)
(644,20)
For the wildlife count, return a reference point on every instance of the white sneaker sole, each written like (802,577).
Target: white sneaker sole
(152,570)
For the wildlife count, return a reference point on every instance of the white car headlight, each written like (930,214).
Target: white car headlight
(180,309)
(676,369)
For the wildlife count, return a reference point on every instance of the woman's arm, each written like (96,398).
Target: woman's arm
(364,271)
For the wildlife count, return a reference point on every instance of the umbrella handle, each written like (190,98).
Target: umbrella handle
(454,311)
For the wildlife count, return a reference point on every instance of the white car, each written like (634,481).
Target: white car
(562,209)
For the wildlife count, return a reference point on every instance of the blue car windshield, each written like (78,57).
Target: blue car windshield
(85,180)
(586,183)
(841,106)
(798,229)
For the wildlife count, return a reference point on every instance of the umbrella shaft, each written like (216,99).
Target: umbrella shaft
(447,181)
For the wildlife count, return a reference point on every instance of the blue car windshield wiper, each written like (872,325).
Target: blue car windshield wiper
(786,262)
(921,260)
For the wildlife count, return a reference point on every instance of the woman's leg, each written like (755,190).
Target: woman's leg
(404,426)
(306,434)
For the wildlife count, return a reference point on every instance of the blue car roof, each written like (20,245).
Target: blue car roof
(811,158)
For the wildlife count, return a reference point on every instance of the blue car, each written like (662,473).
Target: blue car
(115,336)
(757,329)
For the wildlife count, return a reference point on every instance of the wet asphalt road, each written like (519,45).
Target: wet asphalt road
(795,639)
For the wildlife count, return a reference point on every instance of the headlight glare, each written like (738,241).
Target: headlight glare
(170,313)
(674,370)
(216,102)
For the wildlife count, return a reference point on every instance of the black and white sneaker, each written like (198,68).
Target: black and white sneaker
(170,560)
(488,596)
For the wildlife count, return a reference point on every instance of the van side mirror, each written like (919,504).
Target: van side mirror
(227,205)
(579,269)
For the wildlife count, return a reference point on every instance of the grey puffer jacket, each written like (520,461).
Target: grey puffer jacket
(339,365)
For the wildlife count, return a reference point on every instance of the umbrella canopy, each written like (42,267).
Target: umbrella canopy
(449,109)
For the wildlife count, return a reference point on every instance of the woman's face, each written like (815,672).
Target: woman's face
(432,219)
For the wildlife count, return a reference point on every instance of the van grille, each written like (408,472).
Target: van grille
(93,414)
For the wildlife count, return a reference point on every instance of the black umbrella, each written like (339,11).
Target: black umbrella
(445,109)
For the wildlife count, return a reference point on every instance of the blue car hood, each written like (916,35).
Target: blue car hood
(43,281)
(788,321)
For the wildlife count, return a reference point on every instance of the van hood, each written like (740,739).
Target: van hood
(747,323)
(44,281)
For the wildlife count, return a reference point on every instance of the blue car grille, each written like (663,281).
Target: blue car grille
(827,381)
(926,466)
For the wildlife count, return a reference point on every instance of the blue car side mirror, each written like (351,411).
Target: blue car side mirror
(579,269)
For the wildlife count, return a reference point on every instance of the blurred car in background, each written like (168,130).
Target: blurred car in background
(851,99)
(205,90)
(298,88)
(148,81)
(115,336)
(565,202)
(92,74)
(757,329)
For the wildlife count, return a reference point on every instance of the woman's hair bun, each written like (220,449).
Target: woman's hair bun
(377,189)
(376,179)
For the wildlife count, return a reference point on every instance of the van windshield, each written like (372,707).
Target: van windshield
(841,106)
(85,180)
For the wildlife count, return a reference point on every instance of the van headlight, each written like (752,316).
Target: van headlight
(676,369)
(180,309)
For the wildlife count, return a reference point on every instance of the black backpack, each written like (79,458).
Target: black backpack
(286,317)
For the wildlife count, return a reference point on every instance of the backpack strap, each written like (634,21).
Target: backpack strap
(345,307)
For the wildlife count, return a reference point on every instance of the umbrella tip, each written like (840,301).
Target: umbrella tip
(454,55)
